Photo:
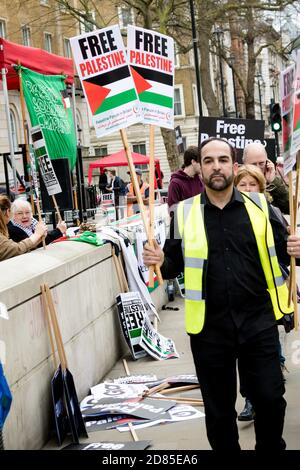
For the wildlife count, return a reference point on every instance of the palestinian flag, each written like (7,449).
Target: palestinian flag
(153,86)
(103,91)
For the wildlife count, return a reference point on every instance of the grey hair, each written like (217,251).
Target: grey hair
(253,144)
(20,204)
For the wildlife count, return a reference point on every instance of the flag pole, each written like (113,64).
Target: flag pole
(26,147)
(138,195)
(25,133)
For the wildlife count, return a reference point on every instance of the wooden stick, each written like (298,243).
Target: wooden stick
(184,388)
(125,283)
(157,388)
(297,189)
(126,367)
(133,433)
(292,283)
(57,333)
(114,256)
(57,209)
(131,428)
(181,399)
(48,320)
(138,195)
(151,200)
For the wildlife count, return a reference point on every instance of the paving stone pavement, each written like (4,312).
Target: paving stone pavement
(191,434)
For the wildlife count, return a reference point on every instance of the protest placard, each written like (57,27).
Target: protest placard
(101,62)
(287,78)
(151,59)
(46,168)
(238,132)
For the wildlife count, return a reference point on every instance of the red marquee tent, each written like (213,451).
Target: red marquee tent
(34,59)
(119,159)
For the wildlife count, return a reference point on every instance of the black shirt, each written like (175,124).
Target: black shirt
(238,305)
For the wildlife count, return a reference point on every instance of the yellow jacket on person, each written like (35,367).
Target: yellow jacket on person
(195,251)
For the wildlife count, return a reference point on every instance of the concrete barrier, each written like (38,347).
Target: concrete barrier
(84,285)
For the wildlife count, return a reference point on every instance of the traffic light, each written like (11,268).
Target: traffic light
(275,117)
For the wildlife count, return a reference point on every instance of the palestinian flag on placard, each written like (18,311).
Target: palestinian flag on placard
(153,86)
(103,91)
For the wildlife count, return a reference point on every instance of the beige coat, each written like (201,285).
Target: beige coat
(9,248)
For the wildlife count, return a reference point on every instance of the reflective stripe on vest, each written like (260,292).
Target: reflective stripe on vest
(195,250)
(195,253)
(259,218)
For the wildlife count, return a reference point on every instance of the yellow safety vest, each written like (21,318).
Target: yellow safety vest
(195,250)
(131,191)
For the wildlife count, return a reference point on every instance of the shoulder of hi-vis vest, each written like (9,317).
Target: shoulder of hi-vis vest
(191,225)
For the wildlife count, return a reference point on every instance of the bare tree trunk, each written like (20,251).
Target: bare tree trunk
(238,61)
(249,98)
(205,71)
(169,139)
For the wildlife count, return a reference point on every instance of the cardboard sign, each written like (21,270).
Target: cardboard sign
(131,314)
(101,62)
(47,171)
(287,78)
(238,132)
(120,391)
(151,59)
(296,125)
(157,345)
(110,446)
(175,414)
(147,408)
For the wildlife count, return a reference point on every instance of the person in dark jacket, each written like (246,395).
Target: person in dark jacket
(103,180)
(186,183)
(255,154)
(23,224)
(225,242)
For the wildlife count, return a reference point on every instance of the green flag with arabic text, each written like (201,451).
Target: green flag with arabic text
(49,106)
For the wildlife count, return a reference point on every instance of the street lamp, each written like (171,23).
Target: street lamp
(231,62)
(259,94)
(196,60)
(218,32)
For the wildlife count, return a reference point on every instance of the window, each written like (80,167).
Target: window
(101,151)
(85,25)
(14,130)
(2,29)
(67,48)
(26,35)
(139,148)
(178,101)
(125,16)
(48,42)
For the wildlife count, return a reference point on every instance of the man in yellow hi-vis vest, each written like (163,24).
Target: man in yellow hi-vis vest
(228,245)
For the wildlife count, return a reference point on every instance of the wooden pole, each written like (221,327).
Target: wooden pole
(57,333)
(27,151)
(48,321)
(138,195)
(296,200)
(151,200)
(56,209)
(292,281)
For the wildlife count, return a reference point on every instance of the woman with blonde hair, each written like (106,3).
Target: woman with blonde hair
(249,178)
(9,248)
